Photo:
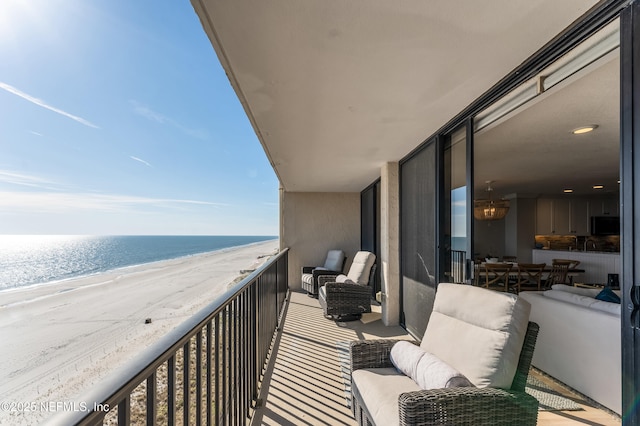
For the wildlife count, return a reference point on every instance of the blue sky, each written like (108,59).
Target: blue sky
(116,118)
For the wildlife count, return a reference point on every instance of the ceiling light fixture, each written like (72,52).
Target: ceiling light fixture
(584,129)
(568,191)
(598,186)
(488,209)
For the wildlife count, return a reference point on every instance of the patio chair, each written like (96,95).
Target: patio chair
(482,336)
(347,297)
(333,265)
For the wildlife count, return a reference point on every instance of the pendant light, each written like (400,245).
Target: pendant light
(489,209)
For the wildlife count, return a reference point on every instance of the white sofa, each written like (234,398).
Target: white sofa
(579,341)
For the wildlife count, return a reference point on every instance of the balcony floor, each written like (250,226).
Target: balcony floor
(303,384)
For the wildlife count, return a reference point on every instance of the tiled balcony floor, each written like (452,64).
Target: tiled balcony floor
(303,384)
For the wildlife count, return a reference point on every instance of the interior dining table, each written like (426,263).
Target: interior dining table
(479,272)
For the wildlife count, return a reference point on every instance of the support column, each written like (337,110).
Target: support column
(390,242)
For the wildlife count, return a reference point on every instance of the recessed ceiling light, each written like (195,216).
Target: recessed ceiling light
(584,129)
(598,186)
(568,191)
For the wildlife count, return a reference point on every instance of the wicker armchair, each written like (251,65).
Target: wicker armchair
(346,297)
(477,406)
(333,265)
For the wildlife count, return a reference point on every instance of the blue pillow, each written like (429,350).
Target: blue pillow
(607,295)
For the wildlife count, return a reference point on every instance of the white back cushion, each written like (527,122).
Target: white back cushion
(591,292)
(361,267)
(478,332)
(335,259)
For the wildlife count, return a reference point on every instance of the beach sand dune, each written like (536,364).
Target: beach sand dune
(60,339)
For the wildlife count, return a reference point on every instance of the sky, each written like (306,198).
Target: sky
(116,118)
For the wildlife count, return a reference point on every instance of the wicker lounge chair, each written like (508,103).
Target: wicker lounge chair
(333,265)
(347,297)
(378,395)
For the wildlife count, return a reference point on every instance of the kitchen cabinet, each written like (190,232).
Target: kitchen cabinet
(561,216)
(580,217)
(605,206)
(544,216)
(611,206)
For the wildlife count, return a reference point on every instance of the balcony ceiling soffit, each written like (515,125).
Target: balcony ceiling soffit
(336,89)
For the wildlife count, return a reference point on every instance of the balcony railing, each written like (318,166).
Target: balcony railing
(207,371)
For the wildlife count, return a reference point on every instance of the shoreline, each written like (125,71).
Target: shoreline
(66,337)
(3,291)
(47,289)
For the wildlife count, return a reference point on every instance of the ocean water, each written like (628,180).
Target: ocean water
(37,259)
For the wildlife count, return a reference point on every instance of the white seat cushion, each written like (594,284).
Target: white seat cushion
(307,278)
(380,389)
(478,332)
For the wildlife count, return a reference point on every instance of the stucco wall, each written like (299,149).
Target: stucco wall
(312,223)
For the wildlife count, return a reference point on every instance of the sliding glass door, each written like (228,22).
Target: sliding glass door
(455,236)
(418,194)
(630,230)
(370,227)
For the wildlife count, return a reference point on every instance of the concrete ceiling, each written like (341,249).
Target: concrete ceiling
(534,152)
(335,89)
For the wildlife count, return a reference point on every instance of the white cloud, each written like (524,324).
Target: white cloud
(52,202)
(10,177)
(140,160)
(35,133)
(43,104)
(148,113)
(152,115)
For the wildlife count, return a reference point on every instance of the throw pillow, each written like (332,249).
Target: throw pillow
(433,373)
(344,279)
(405,356)
(607,295)
(424,368)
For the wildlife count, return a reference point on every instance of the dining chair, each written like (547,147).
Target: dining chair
(559,272)
(529,276)
(496,276)
(509,259)
(477,271)
(572,263)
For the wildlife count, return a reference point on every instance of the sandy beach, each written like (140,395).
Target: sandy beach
(59,339)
